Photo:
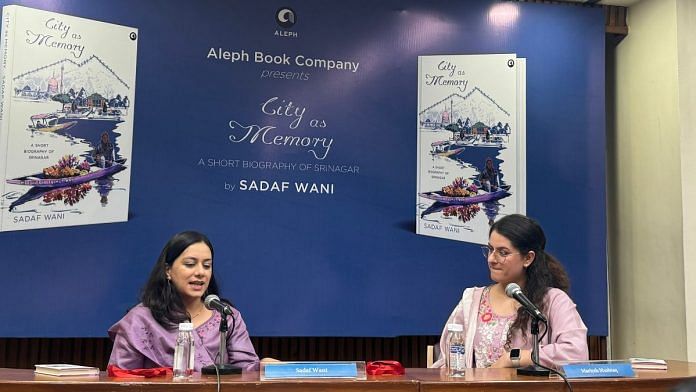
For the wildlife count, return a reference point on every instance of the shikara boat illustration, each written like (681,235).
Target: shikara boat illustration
(40,180)
(49,123)
(481,197)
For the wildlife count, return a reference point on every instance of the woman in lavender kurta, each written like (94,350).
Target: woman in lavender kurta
(178,284)
(495,324)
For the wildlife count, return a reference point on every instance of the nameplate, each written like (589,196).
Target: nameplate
(293,370)
(598,370)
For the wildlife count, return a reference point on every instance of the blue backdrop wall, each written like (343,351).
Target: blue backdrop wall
(342,264)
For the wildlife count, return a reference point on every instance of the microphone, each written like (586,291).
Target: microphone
(513,290)
(221,366)
(212,301)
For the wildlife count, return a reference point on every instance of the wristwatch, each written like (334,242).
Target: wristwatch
(515,357)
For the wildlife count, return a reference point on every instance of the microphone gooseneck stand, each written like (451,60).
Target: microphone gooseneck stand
(222,367)
(534,369)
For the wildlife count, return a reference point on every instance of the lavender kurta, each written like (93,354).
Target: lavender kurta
(141,342)
(566,340)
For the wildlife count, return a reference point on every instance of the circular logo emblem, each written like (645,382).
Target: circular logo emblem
(285,17)
(511,63)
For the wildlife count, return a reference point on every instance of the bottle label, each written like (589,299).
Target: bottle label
(457,349)
(456,357)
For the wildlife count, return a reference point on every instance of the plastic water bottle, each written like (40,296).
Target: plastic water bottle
(184,352)
(456,350)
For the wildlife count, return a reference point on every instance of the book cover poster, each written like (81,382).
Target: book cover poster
(471,163)
(66,125)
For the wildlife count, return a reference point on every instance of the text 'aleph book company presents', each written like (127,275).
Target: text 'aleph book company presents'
(67,99)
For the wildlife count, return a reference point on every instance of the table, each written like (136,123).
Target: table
(24,380)
(415,380)
(508,380)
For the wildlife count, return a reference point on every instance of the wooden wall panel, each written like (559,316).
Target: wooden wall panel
(24,353)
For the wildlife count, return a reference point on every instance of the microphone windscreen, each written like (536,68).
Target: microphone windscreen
(511,289)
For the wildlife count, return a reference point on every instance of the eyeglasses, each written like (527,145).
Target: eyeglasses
(498,254)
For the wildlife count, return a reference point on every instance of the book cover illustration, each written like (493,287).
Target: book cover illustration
(470,144)
(66,122)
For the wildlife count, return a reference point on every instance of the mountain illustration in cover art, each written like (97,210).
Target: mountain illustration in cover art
(91,75)
(474,105)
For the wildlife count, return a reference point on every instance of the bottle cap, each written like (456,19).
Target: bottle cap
(186,327)
(455,327)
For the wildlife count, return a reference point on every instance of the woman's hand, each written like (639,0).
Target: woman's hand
(503,362)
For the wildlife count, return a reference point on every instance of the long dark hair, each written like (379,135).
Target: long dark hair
(159,294)
(545,272)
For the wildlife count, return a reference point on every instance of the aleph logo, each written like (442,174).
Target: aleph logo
(285,17)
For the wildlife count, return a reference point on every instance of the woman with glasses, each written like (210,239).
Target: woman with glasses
(496,327)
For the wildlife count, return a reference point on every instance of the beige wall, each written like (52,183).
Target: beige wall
(647,240)
(686,34)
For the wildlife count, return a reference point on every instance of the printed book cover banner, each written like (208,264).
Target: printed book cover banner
(66,126)
(284,131)
(471,164)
